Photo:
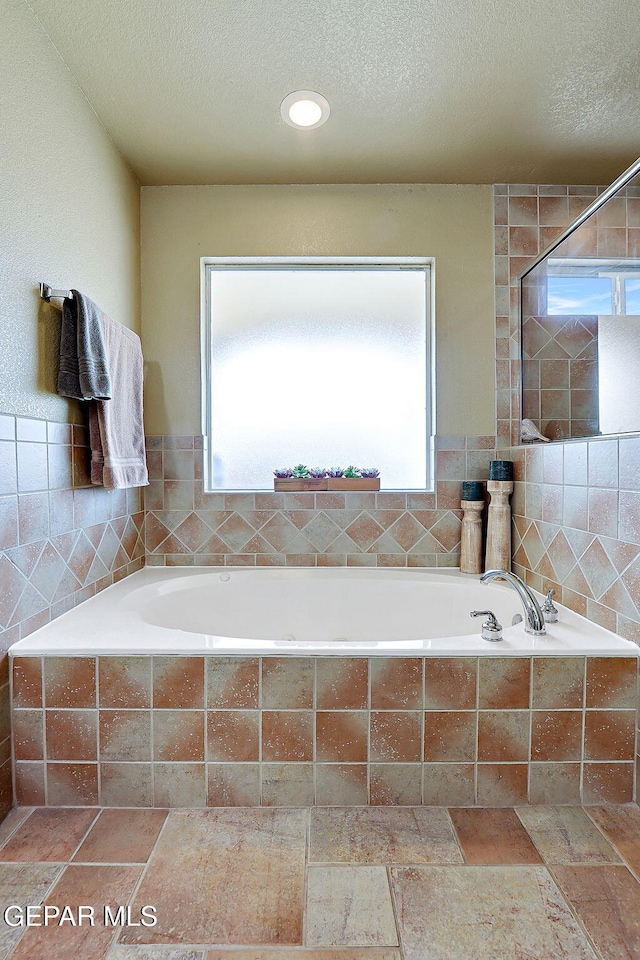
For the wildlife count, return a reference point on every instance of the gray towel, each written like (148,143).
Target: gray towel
(83,372)
(115,426)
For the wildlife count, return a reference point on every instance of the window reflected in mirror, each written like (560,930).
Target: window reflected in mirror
(580,316)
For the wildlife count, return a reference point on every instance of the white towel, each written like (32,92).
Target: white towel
(115,425)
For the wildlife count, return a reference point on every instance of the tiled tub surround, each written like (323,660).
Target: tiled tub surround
(174,731)
(576,504)
(61,540)
(187,526)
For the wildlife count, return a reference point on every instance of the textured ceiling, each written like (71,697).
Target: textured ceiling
(467,91)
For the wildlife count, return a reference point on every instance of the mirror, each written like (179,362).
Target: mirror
(580,322)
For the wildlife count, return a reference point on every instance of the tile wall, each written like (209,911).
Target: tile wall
(281,731)
(186,526)
(61,540)
(576,504)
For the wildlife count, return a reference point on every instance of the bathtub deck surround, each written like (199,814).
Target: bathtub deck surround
(243,723)
(559,882)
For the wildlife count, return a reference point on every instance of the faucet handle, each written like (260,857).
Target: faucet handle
(491,629)
(549,609)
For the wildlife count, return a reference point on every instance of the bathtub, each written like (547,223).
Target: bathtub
(308,612)
(195,687)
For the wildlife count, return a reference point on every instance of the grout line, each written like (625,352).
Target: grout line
(305,886)
(394,909)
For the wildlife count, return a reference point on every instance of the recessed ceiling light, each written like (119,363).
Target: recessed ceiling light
(305,109)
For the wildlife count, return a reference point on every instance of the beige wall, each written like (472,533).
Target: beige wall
(69,214)
(452,223)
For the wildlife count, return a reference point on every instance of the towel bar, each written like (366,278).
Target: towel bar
(47,292)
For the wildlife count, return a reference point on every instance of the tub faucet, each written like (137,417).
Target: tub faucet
(533,616)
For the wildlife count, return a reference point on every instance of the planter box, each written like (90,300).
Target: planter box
(295,484)
(310,484)
(353,483)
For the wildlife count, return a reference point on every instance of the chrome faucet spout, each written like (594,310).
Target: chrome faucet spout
(533,615)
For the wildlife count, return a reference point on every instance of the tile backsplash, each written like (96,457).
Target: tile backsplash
(187,526)
(61,540)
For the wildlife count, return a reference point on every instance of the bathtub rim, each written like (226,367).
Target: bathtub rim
(51,639)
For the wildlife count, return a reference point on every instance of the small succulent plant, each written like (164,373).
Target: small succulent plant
(352,472)
(283,473)
(300,472)
(369,473)
(317,472)
(335,472)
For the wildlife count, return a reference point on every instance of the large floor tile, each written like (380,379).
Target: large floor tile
(349,906)
(94,886)
(223,876)
(622,828)
(566,835)
(388,835)
(49,834)
(607,901)
(12,821)
(493,836)
(484,913)
(22,884)
(312,953)
(129,952)
(122,836)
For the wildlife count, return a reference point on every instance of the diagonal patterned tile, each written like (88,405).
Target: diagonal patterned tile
(300,545)
(258,544)
(427,517)
(597,569)
(406,532)
(299,518)
(26,557)
(213,545)
(279,531)
(364,531)
(575,580)
(579,541)
(342,544)
(129,537)
(82,557)
(30,603)
(108,548)
(621,554)
(257,518)
(561,556)
(64,544)
(48,572)
(447,531)
(631,580)
(67,585)
(427,544)
(155,531)
(386,544)
(192,532)
(214,518)
(617,598)
(236,532)
(13,583)
(533,546)
(386,518)
(173,545)
(322,531)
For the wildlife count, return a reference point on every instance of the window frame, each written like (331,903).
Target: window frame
(208,265)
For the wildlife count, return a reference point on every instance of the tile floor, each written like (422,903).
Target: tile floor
(358,883)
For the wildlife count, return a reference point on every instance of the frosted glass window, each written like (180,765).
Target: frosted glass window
(324,366)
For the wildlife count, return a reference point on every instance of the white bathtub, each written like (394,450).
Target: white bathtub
(301,611)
